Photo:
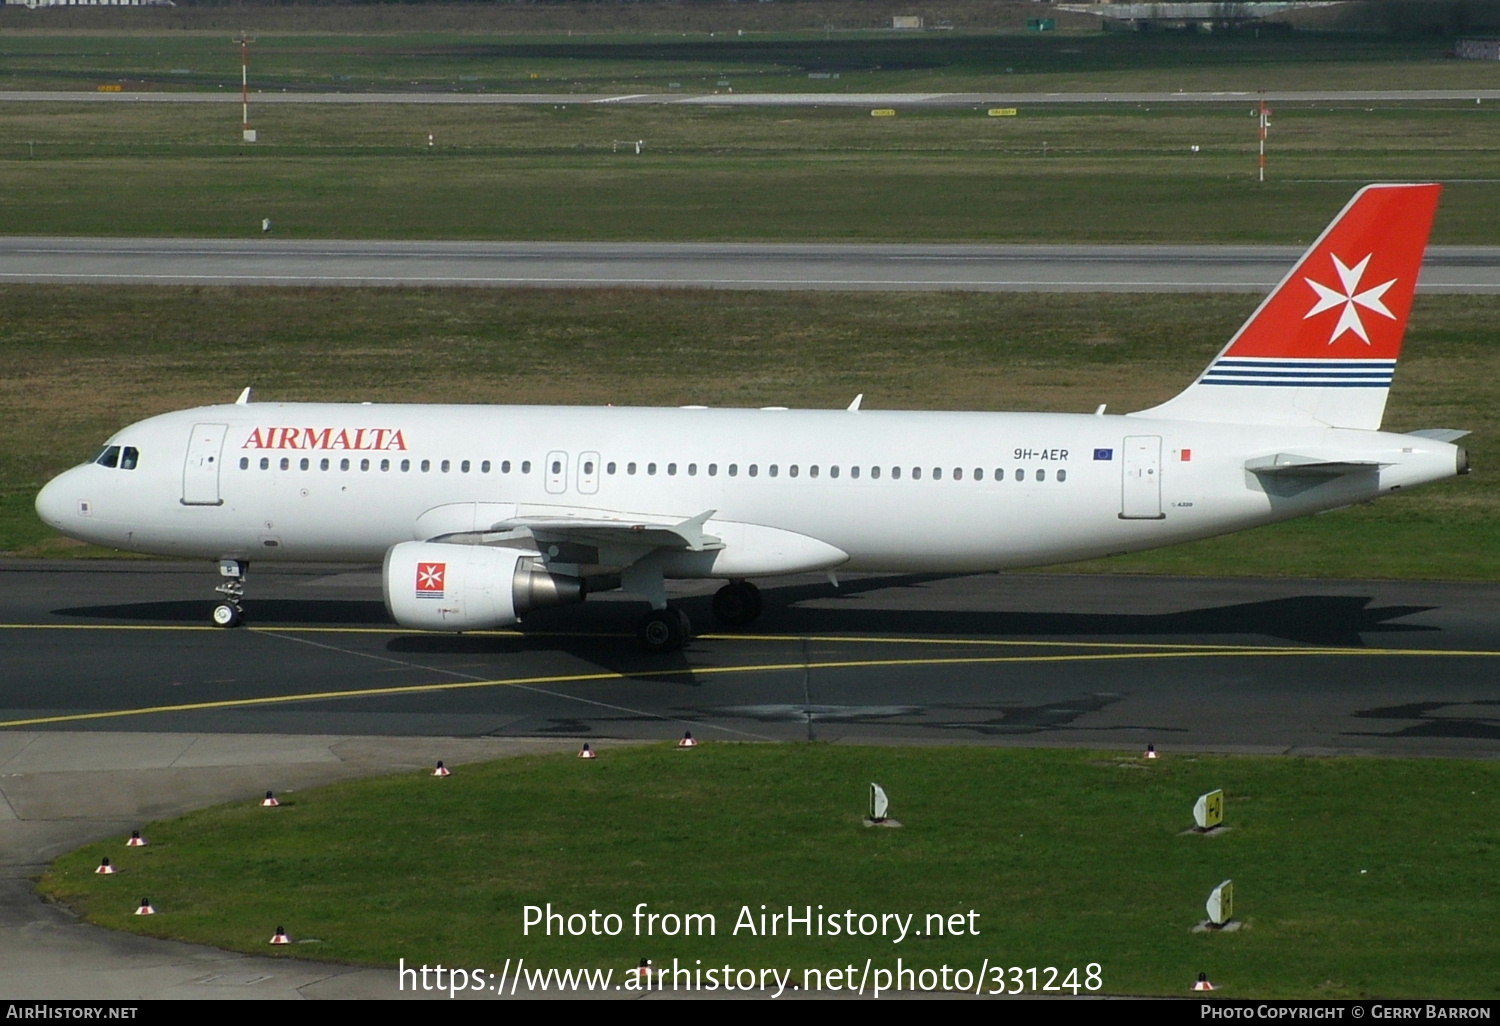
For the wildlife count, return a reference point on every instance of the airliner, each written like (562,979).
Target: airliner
(480,514)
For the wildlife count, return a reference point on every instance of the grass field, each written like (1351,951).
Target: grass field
(709,55)
(1353,878)
(1047,175)
(83,362)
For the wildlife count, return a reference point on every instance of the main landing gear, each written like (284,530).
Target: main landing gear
(665,630)
(737,604)
(231,612)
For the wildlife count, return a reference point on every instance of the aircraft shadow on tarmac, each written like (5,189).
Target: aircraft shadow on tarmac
(1438,719)
(986,719)
(1340,620)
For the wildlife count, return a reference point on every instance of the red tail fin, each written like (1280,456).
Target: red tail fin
(1323,346)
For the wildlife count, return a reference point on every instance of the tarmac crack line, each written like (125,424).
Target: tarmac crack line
(16,754)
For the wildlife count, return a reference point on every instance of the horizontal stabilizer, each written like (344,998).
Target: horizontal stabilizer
(1288,464)
(1440,434)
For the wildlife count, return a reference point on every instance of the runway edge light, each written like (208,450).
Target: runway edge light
(105,869)
(687,740)
(145,909)
(1203,983)
(587,753)
(269,801)
(136,840)
(280,937)
(1150,752)
(1208,811)
(442,771)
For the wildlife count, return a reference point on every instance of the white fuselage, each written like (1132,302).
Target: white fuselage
(868,490)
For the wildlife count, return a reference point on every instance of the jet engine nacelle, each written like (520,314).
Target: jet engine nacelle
(436,586)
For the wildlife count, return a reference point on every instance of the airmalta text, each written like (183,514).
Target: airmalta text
(377,439)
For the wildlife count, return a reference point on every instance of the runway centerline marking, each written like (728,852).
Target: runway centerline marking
(802,666)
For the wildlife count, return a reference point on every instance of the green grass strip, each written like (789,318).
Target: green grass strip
(1353,877)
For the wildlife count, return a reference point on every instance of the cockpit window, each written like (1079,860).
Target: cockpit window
(118,457)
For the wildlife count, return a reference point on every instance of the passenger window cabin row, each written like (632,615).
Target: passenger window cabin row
(612,468)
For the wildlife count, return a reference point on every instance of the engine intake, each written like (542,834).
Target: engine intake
(436,586)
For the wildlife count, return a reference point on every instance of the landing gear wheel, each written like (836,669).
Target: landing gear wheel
(665,630)
(226,615)
(737,603)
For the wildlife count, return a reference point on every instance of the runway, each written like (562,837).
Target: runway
(996,98)
(1465,270)
(1117,662)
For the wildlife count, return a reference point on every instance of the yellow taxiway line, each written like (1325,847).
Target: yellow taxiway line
(800,666)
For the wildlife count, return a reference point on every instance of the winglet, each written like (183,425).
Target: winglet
(857,400)
(244,396)
(1321,350)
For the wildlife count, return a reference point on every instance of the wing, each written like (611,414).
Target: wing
(588,541)
(606,534)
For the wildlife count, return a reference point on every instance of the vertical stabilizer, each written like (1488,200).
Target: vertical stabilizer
(1321,350)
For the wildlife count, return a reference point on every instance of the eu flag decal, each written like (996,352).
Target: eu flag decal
(1104,454)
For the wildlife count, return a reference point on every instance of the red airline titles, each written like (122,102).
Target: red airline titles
(381,439)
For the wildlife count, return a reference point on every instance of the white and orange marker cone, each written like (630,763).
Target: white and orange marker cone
(1150,752)
(587,753)
(442,771)
(270,801)
(145,909)
(136,840)
(280,936)
(104,867)
(1203,983)
(687,740)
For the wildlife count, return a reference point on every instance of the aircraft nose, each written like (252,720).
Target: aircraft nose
(57,503)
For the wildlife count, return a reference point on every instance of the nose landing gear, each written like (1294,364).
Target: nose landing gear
(231,612)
